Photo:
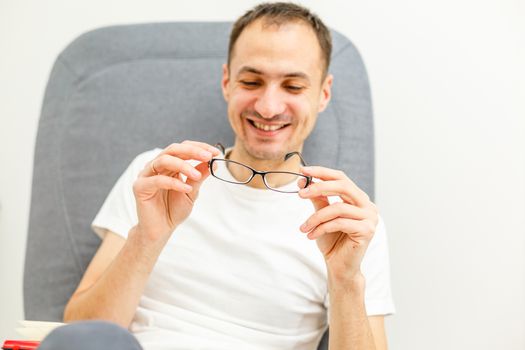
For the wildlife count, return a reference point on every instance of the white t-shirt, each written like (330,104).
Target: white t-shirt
(238,273)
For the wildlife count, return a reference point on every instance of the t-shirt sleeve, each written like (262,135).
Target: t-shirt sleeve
(118,214)
(376,270)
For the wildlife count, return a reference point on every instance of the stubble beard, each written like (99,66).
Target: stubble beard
(262,154)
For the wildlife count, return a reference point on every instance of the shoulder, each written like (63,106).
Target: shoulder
(141,160)
(146,156)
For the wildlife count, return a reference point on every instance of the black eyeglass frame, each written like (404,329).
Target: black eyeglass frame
(261,173)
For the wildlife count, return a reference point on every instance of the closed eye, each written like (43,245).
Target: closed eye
(294,88)
(250,83)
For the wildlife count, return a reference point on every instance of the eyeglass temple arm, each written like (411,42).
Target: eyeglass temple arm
(303,163)
(220,146)
(288,155)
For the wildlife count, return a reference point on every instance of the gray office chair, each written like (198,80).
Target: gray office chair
(118,91)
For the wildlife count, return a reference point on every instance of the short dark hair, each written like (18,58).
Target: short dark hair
(279,13)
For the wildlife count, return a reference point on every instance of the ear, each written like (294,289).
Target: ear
(225,82)
(326,92)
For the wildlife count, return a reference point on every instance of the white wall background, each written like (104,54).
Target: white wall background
(448,86)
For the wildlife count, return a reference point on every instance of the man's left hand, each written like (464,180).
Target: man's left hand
(344,229)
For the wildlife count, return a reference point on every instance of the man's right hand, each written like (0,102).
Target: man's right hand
(164,199)
(116,277)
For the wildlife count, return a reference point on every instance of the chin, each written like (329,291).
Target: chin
(267,152)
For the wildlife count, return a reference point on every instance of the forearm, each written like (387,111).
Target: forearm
(349,326)
(116,294)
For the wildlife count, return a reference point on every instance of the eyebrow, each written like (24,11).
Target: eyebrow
(248,69)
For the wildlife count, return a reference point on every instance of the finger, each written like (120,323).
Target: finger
(327,188)
(352,193)
(214,150)
(301,182)
(178,151)
(323,173)
(189,151)
(355,229)
(340,188)
(319,202)
(332,212)
(149,186)
(166,165)
(196,184)
(336,225)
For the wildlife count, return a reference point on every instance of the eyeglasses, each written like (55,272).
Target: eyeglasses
(273,180)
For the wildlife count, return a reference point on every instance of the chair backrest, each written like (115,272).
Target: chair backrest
(118,91)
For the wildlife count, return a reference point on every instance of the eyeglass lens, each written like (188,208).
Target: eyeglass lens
(222,169)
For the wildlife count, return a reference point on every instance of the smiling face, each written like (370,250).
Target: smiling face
(274,87)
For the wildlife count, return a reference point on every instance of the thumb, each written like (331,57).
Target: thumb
(320,202)
(196,184)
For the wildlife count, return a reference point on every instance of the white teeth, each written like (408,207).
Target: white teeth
(268,127)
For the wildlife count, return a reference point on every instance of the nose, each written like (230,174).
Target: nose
(270,103)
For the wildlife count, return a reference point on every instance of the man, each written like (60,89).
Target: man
(189,261)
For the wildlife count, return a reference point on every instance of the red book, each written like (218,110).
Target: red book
(20,345)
